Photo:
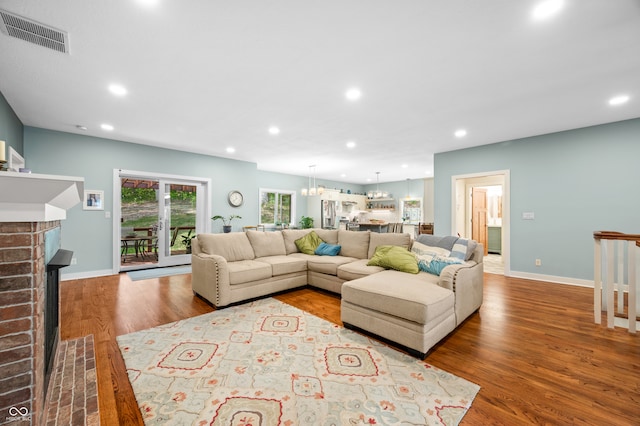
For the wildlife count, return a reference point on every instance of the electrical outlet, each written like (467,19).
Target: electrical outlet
(538,262)
(74,261)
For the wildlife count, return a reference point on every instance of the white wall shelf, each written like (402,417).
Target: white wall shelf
(30,197)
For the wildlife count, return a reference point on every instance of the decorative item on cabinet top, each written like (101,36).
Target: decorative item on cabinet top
(381,204)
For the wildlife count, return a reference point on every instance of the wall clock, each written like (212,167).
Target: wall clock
(235,198)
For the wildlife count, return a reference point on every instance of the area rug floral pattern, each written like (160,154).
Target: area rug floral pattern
(267,363)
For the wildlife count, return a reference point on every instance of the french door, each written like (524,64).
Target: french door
(175,225)
(158,215)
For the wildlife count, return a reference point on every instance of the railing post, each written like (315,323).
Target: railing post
(633,301)
(610,281)
(597,282)
(620,277)
(609,276)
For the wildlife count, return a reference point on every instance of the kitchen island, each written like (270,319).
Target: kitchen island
(381,227)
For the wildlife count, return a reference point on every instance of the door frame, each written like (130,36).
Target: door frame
(203,224)
(461,203)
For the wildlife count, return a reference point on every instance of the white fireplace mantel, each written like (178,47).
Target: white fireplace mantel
(30,197)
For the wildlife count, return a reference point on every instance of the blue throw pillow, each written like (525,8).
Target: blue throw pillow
(437,264)
(325,249)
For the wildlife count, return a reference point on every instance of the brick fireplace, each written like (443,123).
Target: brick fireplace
(22,329)
(31,207)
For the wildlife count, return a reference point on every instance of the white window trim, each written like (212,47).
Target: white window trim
(279,191)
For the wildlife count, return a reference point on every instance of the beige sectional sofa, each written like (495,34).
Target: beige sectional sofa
(413,310)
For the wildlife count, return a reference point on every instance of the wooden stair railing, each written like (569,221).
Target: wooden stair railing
(611,260)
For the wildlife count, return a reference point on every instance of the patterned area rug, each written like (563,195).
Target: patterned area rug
(267,363)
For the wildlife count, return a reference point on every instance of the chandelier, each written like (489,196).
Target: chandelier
(377,193)
(312,189)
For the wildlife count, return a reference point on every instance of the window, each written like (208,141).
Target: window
(277,206)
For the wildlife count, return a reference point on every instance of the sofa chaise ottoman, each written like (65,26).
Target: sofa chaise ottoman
(415,311)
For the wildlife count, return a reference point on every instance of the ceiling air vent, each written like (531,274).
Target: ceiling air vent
(33,32)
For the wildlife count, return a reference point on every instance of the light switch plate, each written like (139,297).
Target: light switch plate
(528,215)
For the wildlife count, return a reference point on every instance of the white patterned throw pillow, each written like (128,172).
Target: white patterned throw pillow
(459,249)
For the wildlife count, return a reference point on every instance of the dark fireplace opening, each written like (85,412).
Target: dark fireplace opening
(61,259)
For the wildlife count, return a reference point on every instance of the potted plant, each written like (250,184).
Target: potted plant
(186,240)
(306,222)
(226,221)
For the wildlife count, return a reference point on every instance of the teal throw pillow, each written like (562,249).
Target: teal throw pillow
(395,257)
(437,264)
(325,249)
(309,243)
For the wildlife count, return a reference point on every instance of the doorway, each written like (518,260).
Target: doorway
(155,217)
(480,211)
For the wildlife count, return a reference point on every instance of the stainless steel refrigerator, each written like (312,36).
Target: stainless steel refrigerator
(329,214)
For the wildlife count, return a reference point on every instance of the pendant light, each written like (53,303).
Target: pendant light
(310,190)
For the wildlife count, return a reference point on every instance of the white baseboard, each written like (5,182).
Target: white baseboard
(87,274)
(551,279)
(515,274)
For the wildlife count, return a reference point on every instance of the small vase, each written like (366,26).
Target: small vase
(226,229)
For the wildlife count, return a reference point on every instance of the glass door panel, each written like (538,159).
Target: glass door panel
(138,222)
(178,203)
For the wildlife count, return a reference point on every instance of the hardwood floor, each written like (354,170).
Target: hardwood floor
(533,347)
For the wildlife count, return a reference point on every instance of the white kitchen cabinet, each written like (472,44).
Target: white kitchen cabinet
(330,194)
(359,200)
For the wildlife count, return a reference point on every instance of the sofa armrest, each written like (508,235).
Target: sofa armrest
(210,278)
(467,282)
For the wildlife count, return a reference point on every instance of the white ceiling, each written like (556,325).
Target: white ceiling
(205,75)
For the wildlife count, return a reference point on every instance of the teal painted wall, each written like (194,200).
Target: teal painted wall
(400,189)
(89,234)
(282,181)
(575,182)
(11,129)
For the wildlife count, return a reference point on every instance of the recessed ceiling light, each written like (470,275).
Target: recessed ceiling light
(343,175)
(547,8)
(619,100)
(81,127)
(351,144)
(404,166)
(353,94)
(460,133)
(231,150)
(117,89)
(274,130)
(149,3)
(107,127)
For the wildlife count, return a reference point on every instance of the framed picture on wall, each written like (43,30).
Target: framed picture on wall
(93,200)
